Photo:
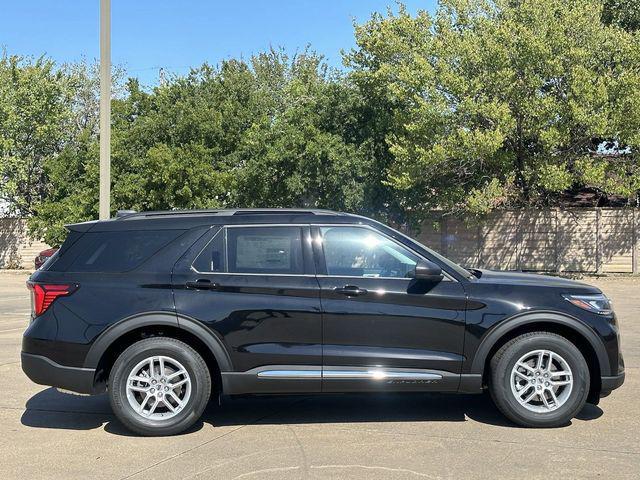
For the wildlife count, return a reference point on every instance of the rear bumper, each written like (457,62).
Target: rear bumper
(611,383)
(44,371)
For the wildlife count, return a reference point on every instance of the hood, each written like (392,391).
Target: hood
(532,279)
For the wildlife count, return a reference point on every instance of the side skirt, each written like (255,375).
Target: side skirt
(316,379)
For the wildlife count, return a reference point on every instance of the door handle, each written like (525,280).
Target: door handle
(350,290)
(202,284)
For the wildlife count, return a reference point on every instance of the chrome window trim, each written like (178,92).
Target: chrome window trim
(447,276)
(224,227)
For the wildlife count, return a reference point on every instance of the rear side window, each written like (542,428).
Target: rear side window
(267,250)
(119,251)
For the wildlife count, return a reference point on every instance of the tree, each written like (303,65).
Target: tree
(624,13)
(35,121)
(498,102)
(275,131)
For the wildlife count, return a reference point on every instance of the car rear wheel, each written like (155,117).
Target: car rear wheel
(539,379)
(159,386)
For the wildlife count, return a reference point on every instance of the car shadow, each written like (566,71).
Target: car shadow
(52,408)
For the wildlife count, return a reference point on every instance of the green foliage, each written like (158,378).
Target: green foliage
(35,123)
(270,132)
(487,90)
(481,105)
(624,13)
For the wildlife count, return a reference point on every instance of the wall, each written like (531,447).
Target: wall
(17,250)
(599,240)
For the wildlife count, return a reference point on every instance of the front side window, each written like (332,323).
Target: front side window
(267,250)
(361,252)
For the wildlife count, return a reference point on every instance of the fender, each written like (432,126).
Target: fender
(509,324)
(124,326)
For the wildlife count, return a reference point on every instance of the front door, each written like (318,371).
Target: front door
(254,287)
(383,329)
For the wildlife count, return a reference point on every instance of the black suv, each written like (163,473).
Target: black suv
(163,308)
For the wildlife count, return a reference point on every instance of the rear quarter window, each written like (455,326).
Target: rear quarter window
(119,251)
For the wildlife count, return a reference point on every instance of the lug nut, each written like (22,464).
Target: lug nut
(153,390)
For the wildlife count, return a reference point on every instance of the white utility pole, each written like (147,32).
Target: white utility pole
(105,109)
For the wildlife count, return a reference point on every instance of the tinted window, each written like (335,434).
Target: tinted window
(119,251)
(212,257)
(360,252)
(265,250)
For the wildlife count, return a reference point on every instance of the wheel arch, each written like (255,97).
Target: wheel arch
(571,328)
(120,335)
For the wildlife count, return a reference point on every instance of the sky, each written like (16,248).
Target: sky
(177,35)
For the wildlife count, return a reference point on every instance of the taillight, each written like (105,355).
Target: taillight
(44,294)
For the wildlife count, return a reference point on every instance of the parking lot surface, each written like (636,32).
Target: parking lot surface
(45,433)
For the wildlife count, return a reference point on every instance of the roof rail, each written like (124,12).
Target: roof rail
(281,211)
(223,212)
(124,213)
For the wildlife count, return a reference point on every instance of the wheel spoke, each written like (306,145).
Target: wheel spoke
(559,383)
(168,405)
(522,375)
(177,384)
(544,400)
(137,378)
(559,373)
(553,397)
(138,388)
(178,401)
(540,359)
(144,403)
(161,363)
(151,367)
(526,367)
(550,363)
(530,397)
(177,374)
(153,408)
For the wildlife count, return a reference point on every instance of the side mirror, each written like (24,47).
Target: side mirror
(426,270)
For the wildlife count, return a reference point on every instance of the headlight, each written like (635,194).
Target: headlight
(596,303)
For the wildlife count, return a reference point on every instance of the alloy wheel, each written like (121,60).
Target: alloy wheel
(541,381)
(158,388)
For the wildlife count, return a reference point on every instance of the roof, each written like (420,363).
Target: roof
(185,219)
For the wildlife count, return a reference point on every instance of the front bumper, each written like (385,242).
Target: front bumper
(44,371)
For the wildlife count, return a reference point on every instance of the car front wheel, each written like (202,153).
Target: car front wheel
(539,379)
(159,386)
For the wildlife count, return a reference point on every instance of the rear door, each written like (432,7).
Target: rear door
(382,328)
(254,287)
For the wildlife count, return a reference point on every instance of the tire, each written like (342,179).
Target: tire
(506,386)
(191,389)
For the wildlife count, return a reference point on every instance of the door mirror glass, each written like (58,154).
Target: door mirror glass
(426,270)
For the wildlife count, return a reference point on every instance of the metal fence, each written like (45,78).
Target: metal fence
(597,240)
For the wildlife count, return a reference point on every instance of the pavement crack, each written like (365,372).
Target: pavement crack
(172,457)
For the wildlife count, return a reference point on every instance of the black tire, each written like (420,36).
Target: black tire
(176,350)
(506,357)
